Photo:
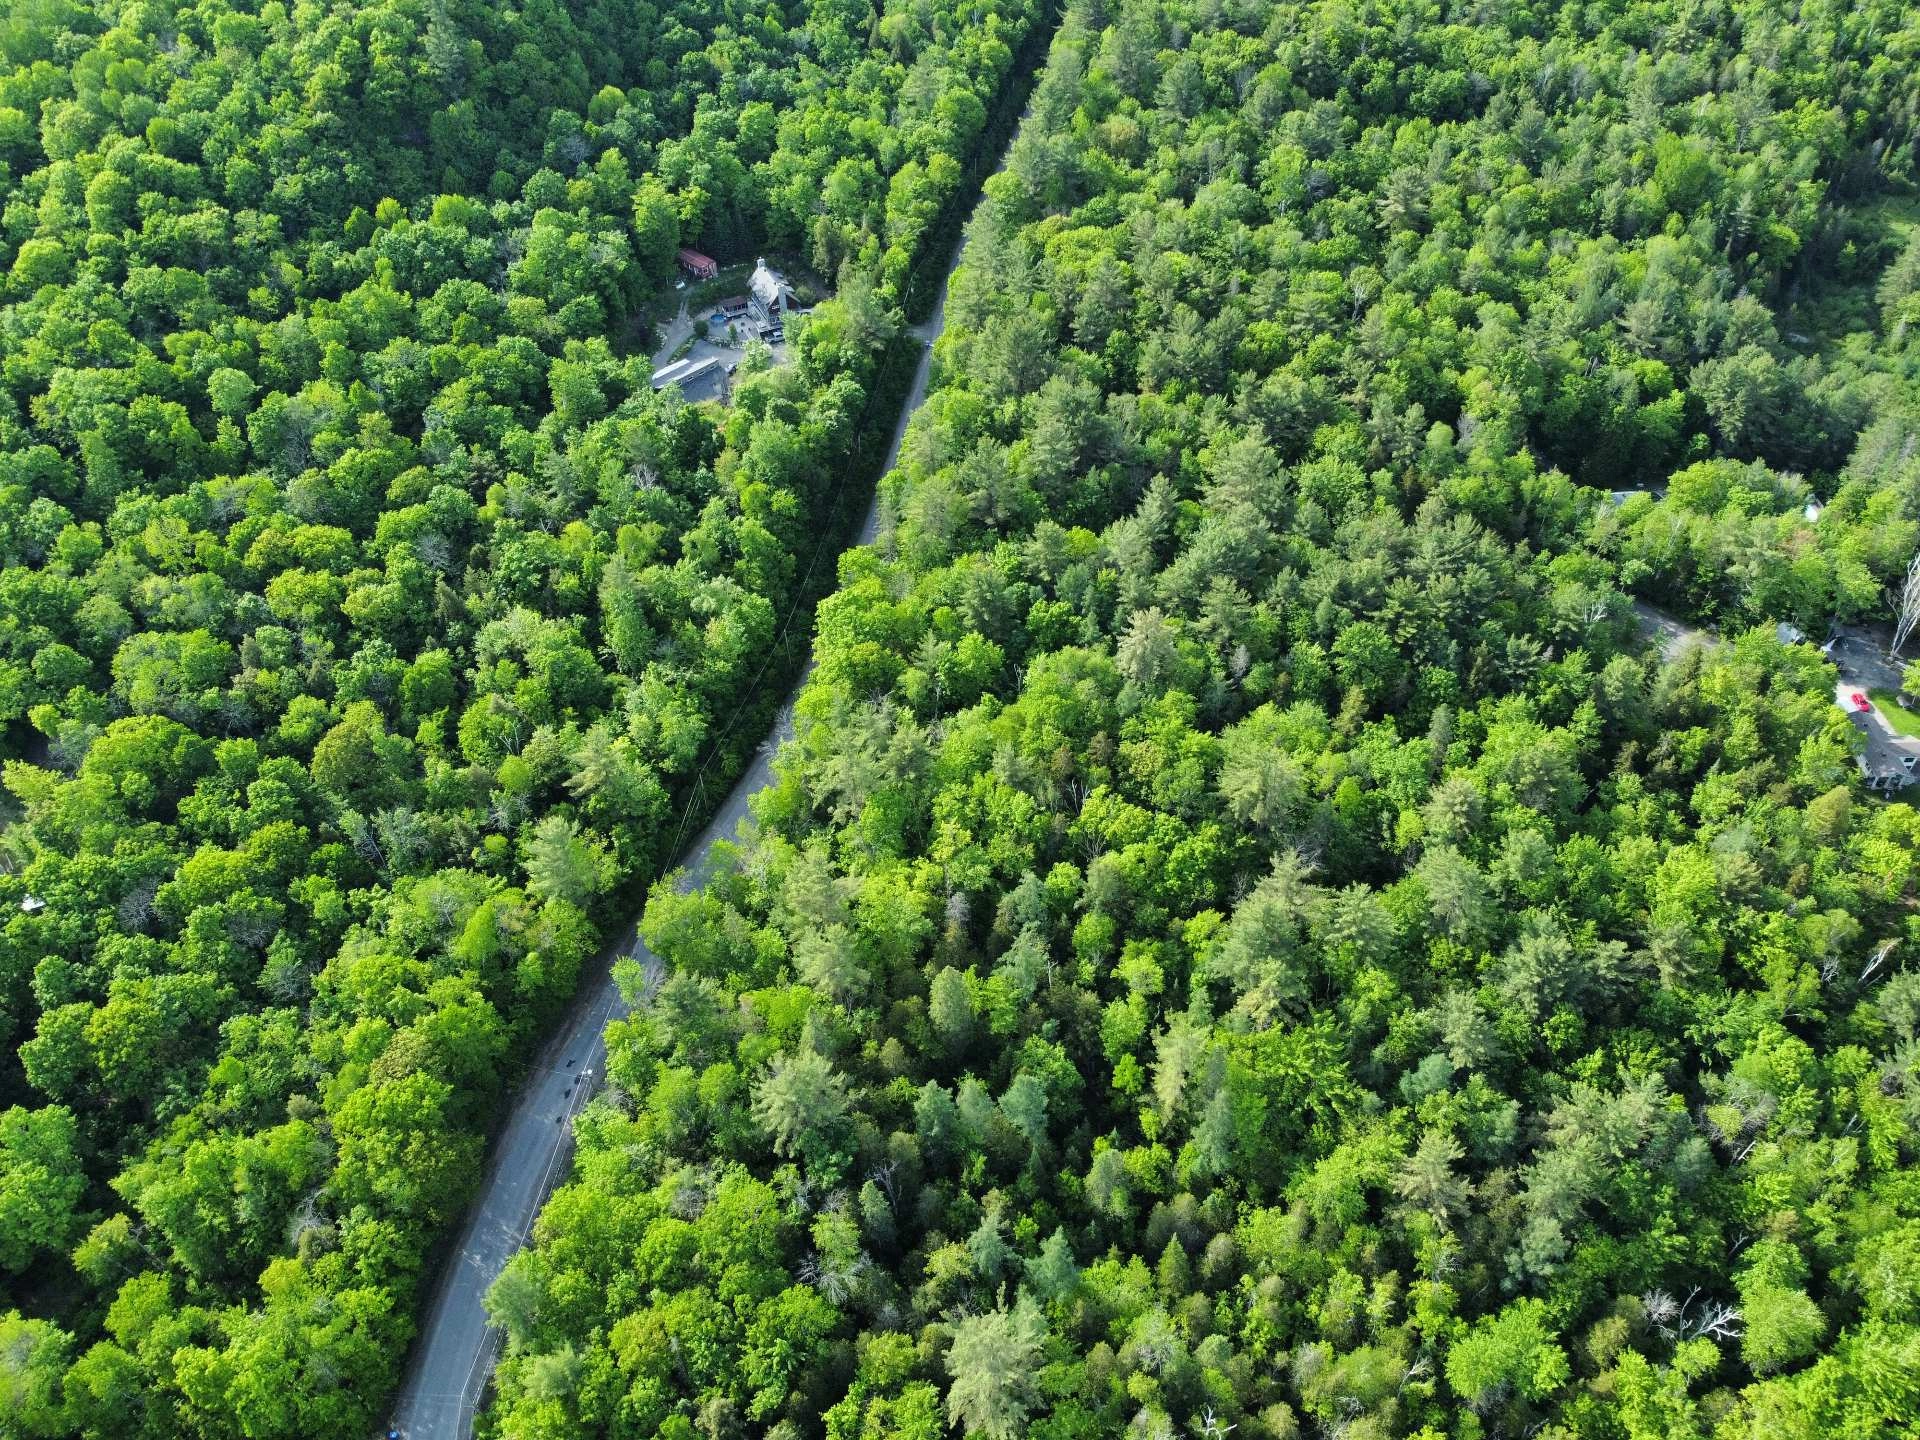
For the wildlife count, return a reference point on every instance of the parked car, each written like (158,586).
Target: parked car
(1860,702)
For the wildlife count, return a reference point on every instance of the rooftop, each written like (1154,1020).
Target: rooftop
(681,370)
(768,288)
(702,379)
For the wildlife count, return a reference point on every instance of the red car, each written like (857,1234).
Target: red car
(1860,702)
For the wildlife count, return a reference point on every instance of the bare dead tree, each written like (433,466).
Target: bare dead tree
(1719,1321)
(1909,615)
(1662,1310)
(1879,958)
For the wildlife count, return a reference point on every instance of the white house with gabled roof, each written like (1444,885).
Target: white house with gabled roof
(769,297)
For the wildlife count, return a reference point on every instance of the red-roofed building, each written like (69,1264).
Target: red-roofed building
(698,266)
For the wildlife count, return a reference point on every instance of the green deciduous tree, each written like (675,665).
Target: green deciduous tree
(41,1184)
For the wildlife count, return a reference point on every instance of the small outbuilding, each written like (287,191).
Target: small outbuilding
(698,266)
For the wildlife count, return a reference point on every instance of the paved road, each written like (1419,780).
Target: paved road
(671,338)
(453,1357)
(1860,652)
(1669,629)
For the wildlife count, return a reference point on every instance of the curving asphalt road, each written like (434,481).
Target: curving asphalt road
(452,1358)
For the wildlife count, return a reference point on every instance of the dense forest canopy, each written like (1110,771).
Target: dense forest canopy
(365,617)
(1248,938)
